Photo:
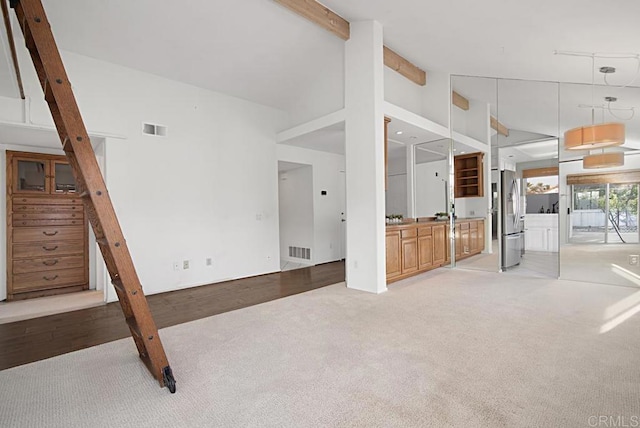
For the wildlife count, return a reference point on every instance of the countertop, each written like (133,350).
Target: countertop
(415,223)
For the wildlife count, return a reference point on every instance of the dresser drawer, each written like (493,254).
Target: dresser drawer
(32,200)
(21,208)
(48,249)
(50,279)
(47,264)
(48,219)
(47,234)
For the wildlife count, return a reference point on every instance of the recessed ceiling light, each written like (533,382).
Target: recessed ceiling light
(463,152)
(510,156)
(398,132)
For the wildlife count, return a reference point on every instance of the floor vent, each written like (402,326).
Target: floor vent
(153,129)
(300,253)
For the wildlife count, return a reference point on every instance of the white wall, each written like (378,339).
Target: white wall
(402,92)
(328,175)
(208,189)
(431,101)
(430,189)
(295,192)
(436,97)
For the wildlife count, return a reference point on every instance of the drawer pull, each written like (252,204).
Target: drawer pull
(50,249)
(46,278)
(50,262)
(50,234)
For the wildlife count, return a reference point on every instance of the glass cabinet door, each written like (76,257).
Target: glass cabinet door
(30,175)
(63,180)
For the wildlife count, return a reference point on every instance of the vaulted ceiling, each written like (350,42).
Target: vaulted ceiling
(258,50)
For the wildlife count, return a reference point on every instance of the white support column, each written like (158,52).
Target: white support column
(411,181)
(364,150)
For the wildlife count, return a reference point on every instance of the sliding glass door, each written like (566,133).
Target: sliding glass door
(604,213)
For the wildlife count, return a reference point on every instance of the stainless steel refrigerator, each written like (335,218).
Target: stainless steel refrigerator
(511,218)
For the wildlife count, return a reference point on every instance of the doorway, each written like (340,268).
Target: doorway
(295,203)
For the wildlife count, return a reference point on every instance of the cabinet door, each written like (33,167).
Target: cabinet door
(473,241)
(30,175)
(440,244)
(425,252)
(465,242)
(394,266)
(535,239)
(480,235)
(409,255)
(62,180)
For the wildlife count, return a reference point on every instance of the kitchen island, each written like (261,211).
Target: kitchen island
(414,247)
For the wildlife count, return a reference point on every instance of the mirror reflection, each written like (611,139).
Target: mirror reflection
(521,200)
(472,112)
(599,186)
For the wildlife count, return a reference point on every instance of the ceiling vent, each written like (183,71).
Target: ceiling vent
(153,129)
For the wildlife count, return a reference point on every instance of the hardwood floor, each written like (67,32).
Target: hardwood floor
(36,339)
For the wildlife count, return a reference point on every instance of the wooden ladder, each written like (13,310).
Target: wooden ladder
(91,187)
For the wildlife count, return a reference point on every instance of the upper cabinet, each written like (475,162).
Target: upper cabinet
(469,175)
(41,174)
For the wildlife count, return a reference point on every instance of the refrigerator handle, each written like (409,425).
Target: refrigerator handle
(516,196)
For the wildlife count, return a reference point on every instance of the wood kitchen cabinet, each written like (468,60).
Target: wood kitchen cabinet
(394,259)
(417,247)
(440,244)
(47,234)
(425,247)
(409,250)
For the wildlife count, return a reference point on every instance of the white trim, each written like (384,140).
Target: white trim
(311,126)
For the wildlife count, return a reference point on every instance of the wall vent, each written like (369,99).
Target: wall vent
(153,129)
(300,253)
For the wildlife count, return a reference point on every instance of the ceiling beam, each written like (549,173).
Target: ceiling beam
(317,13)
(499,127)
(325,18)
(404,67)
(459,101)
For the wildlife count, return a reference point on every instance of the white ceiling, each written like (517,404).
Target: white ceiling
(260,51)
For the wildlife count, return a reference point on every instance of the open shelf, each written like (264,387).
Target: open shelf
(469,175)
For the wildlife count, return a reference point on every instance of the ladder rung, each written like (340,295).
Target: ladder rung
(28,39)
(133,326)
(118,284)
(48,93)
(66,145)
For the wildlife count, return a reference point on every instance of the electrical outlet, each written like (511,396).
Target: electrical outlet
(209,262)
(185,264)
(634,259)
(176,266)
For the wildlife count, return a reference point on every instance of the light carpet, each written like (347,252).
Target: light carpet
(448,348)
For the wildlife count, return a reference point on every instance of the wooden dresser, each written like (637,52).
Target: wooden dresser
(47,234)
